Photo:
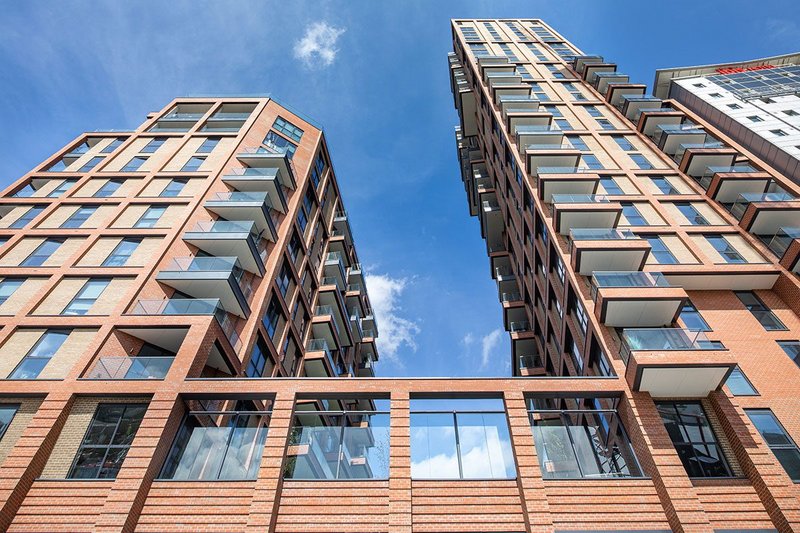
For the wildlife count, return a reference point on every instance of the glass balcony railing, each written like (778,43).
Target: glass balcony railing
(579,198)
(239,196)
(710,171)
(177,115)
(517,326)
(564,170)
(331,280)
(230,115)
(638,114)
(530,129)
(253,171)
(207,264)
(670,129)
(633,279)
(266,149)
(510,297)
(530,361)
(323,310)
(546,146)
(124,367)
(368,332)
(782,239)
(663,339)
(601,234)
(695,146)
(745,199)
(491,205)
(226,226)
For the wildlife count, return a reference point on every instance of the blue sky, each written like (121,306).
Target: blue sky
(381,92)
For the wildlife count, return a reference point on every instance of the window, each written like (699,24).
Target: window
(792,349)
(219,445)
(779,133)
(739,385)
(37,358)
(762,313)
(209,143)
(173,188)
(463,443)
(692,319)
(63,187)
(610,186)
(699,85)
(581,443)
(778,440)
(89,165)
(663,185)
(260,364)
(279,144)
(7,412)
(577,142)
(715,95)
(641,161)
(694,439)
(107,440)
(25,192)
(150,217)
(108,189)
(42,253)
(113,145)
(295,246)
(632,215)
(553,110)
(80,216)
(288,129)
(86,297)
(563,124)
(791,113)
(273,317)
(659,251)
(193,164)
(728,252)
(284,279)
(605,124)
(318,170)
(302,220)
(154,144)
(350,444)
(508,52)
(591,162)
(8,287)
(27,217)
(623,142)
(593,111)
(122,252)
(755,118)
(692,214)
(580,314)
(134,164)
(734,106)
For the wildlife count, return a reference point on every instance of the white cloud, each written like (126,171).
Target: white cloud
(489,344)
(468,339)
(782,30)
(318,45)
(394,330)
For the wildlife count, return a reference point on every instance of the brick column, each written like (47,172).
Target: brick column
(535,507)
(26,460)
(266,495)
(660,461)
(774,487)
(153,439)
(400,520)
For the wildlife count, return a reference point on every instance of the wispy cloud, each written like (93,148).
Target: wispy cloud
(394,330)
(489,344)
(782,30)
(317,48)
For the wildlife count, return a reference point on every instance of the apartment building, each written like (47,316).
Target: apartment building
(756,103)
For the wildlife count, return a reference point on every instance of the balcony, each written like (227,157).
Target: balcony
(500,90)
(674,362)
(331,310)
(650,119)
(584,211)
(631,104)
(485,61)
(766,213)
(497,79)
(635,299)
(230,238)
(253,206)
(527,358)
(319,361)
(270,157)
(209,277)
(366,368)
(606,249)
(785,244)
(341,226)
(580,62)
(725,183)
(551,155)
(256,180)
(467,107)
(355,324)
(130,368)
(616,91)
(506,69)
(537,134)
(669,137)
(334,268)
(567,182)
(518,104)
(590,70)
(602,79)
(695,158)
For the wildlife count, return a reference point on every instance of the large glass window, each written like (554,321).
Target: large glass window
(694,439)
(209,143)
(287,128)
(109,188)
(725,249)
(7,412)
(762,313)
(8,287)
(659,250)
(663,185)
(27,217)
(792,349)
(107,441)
(273,317)
(280,144)
(134,164)
(63,187)
(339,439)
(193,164)
(778,440)
(469,442)
(42,252)
(81,215)
(113,145)
(581,442)
(739,385)
(219,444)
(632,215)
(691,213)
(692,319)
(122,252)
(89,165)
(150,217)
(173,188)
(260,364)
(153,145)
(37,358)
(86,297)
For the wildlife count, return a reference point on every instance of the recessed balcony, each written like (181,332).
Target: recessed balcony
(270,157)
(725,183)
(584,211)
(674,362)
(602,79)
(766,213)
(256,180)
(318,360)
(334,268)
(514,104)
(330,308)
(527,358)
(606,249)
(635,299)
(550,156)
(695,158)
(650,119)
(616,90)
(568,182)
(669,137)
(230,238)
(238,205)
(209,277)
(631,104)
